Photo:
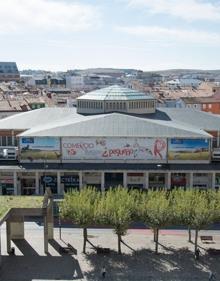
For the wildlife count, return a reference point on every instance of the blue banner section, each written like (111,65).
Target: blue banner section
(188,149)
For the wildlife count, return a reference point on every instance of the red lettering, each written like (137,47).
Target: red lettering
(117,152)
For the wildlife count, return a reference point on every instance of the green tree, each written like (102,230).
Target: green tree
(156,212)
(116,209)
(183,207)
(204,212)
(79,206)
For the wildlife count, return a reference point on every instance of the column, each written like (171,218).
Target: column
(125,179)
(15,183)
(45,233)
(16,227)
(218,139)
(8,236)
(0,251)
(191,180)
(213,180)
(103,181)
(80,180)
(37,187)
(146,184)
(168,180)
(59,191)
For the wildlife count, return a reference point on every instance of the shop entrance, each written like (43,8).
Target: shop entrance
(178,180)
(113,180)
(156,181)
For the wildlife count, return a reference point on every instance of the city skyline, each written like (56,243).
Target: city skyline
(141,34)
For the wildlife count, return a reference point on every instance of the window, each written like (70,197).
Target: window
(9,141)
(4,141)
(210,106)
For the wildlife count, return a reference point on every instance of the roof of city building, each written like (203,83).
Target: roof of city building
(45,118)
(117,93)
(114,125)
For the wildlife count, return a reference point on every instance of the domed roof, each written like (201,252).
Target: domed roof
(115,93)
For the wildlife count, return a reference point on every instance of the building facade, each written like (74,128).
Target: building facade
(63,148)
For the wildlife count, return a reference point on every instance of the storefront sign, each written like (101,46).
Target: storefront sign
(50,181)
(39,148)
(114,148)
(70,180)
(188,149)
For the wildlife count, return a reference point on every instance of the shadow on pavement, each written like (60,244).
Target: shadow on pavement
(31,265)
(177,265)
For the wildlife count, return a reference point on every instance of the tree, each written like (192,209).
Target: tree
(79,206)
(183,207)
(116,209)
(156,212)
(204,212)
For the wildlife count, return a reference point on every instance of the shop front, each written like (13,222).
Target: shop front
(70,181)
(28,183)
(135,180)
(157,181)
(7,183)
(92,179)
(178,180)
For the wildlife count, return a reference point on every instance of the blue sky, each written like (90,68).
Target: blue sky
(141,34)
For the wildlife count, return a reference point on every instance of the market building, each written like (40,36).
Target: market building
(95,145)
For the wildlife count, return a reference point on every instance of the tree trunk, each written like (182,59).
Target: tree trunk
(119,244)
(190,236)
(196,240)
(156,240)
(84,239)
(154,230)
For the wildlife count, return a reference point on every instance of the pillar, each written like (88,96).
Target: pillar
(59,189)
(125,179)
(15,183)
(168,180)
(146,184)
(50,219)
(45,234)
(213,180)
(102,181)
(0,250)
(16,227)
(37,187)
(80,180)
(8,236)
(191,180)
(218,139)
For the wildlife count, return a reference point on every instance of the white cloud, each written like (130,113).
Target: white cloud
(186,9)
(46,15)
(172,35)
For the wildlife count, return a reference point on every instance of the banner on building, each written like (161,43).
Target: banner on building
(188,149)
(37,148)
(114,149)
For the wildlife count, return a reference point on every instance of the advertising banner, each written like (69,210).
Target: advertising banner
(188,149)
(114,149)
(39,148)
